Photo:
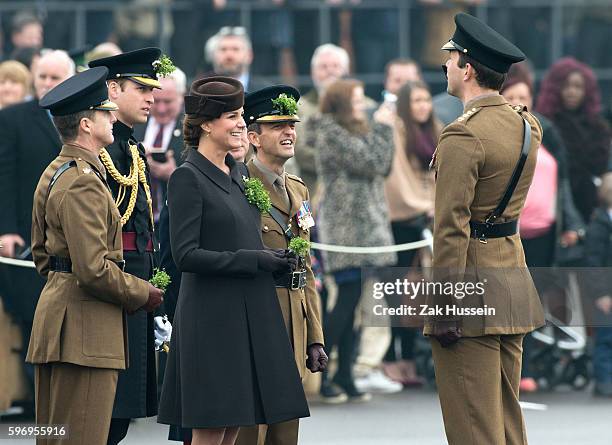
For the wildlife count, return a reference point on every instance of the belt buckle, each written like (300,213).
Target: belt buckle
(482,238)
(298,280)
(479,235)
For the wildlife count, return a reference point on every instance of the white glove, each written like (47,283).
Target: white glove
(163,332)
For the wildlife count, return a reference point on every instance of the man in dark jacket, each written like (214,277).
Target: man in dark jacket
(28,143)
(598,252)
(132,77)
(231,54)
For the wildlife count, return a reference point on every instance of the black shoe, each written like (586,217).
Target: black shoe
(352,392)
(331,394)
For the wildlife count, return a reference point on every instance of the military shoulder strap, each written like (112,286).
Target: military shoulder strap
(59,172)
(280,220)
(516,175)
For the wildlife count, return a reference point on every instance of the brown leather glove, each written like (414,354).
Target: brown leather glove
(447,332)
(156,297)
(317,358)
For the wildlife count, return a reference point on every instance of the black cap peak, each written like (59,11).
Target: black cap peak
(138,65)
(277,103)
(483,44)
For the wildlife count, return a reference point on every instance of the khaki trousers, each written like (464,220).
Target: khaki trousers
(284,433)
(478,385)
(78,396)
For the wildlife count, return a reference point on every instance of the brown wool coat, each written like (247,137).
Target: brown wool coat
(301,308)
(80,317)
(474,160)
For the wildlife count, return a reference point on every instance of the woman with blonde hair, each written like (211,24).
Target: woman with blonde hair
(15,83)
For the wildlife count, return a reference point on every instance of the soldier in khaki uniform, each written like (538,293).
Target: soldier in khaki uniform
(271,122)
(478,357)
(79,340)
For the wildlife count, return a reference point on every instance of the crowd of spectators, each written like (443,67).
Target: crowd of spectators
(365,157)
(284,33)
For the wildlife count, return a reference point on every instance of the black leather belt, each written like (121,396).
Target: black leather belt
(482,231)
(292,281)
(64,265)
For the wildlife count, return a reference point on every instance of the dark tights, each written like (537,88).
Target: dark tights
(339,328)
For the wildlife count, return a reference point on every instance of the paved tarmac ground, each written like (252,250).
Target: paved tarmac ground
(414,418)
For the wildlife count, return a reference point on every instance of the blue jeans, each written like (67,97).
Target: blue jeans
(602,355)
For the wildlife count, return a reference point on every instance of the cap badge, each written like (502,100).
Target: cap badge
(163,66)
(285,105)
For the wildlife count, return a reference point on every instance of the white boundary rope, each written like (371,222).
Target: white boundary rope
(533,406)
(18,263)
(426,242)
(375,249)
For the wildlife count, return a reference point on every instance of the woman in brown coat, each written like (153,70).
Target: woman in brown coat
(409,190)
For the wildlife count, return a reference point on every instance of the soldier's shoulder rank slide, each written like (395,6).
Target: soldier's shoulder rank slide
(295,178)
(468,114)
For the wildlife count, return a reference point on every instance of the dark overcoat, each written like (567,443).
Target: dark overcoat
(230,360)
(136,394)
(28,144)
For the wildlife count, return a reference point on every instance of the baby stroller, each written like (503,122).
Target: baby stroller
(559,355)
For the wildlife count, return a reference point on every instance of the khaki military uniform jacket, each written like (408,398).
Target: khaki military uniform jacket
(301,308)
(474,161)
(80,316)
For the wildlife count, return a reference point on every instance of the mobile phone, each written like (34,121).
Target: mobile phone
(23,252)
(389,97)
(159,156)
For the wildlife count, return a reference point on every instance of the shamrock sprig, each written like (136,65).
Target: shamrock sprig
(257,194)
(299,246)
(286,105)
(163,66)
(160,279)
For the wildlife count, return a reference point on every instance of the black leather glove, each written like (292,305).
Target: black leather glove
(282,253)
(317,358)
(447,333)
(294,260)
(272,261)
